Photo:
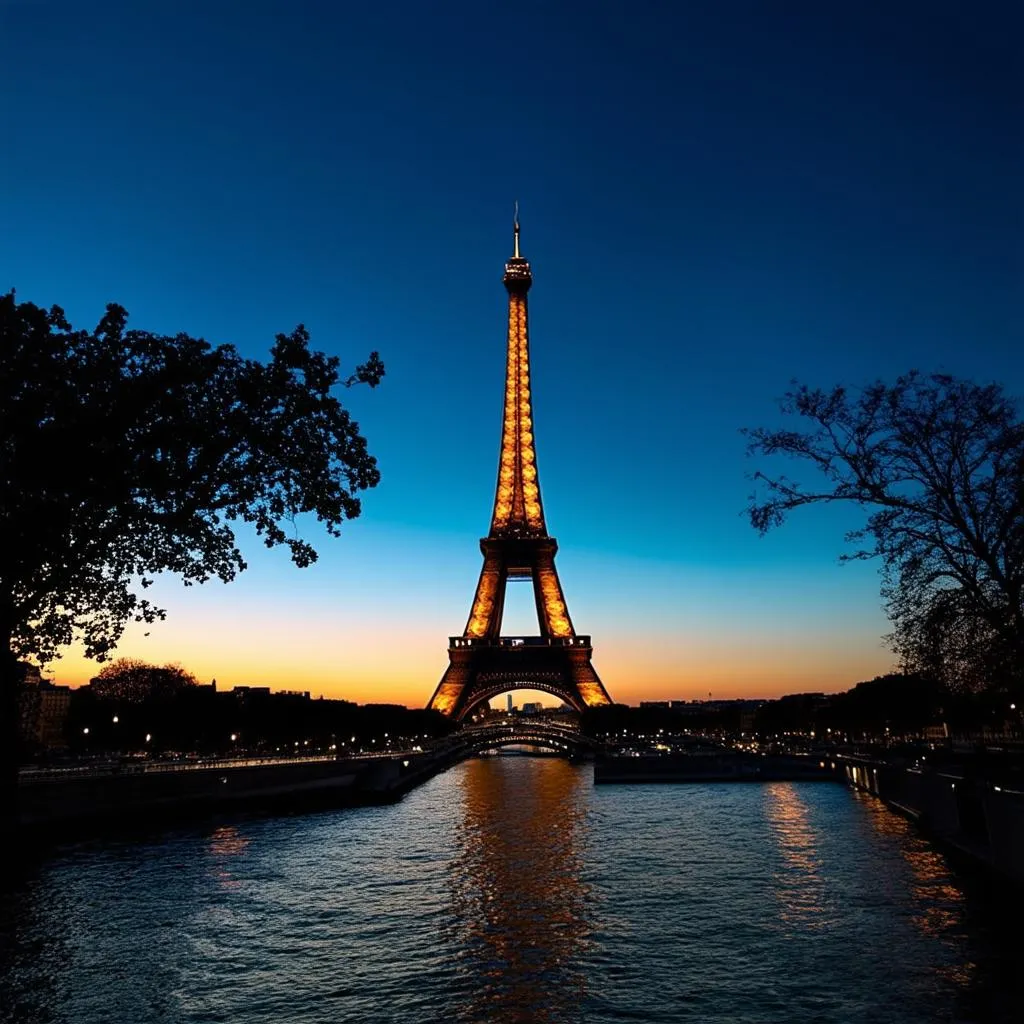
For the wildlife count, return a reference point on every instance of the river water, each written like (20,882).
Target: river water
(513,890)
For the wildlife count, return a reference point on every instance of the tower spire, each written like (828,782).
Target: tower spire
(517,505)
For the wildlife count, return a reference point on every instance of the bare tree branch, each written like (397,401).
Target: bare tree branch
(938,463)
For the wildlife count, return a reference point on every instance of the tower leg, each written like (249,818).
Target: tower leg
(585,680)
(489,599)
(449,693)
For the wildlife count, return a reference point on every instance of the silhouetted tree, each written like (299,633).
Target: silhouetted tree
(133,681)
(902,703)
(938,464)
(126,454)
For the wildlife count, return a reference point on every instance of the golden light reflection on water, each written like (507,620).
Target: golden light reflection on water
(517,889)
(799,885)
(937,910)
(226,842)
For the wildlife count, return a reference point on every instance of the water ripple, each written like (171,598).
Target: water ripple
(512,890)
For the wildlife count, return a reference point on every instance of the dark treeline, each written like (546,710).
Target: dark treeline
(116,716)
(896,705)
(201,720)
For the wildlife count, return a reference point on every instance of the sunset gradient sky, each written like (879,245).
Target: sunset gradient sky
(716,199)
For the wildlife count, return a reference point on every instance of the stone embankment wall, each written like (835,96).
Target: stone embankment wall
(76,802)
(975,817)
(69,804)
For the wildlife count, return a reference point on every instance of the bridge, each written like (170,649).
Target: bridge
(88,797)
(555,736)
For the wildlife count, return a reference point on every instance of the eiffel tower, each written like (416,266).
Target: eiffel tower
(482,662)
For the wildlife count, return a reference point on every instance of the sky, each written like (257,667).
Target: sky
(716,199)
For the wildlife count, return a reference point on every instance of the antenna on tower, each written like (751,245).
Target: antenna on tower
(515,231)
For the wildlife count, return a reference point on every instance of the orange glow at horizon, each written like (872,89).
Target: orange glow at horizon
(369,666)
(370,622)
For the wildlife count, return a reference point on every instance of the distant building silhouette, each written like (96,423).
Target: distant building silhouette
(42,711)
(54,705)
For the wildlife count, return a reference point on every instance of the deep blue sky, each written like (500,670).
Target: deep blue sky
(716,198)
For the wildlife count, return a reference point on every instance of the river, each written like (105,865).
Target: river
(513,890)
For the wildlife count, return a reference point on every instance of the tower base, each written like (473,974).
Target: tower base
(481,668)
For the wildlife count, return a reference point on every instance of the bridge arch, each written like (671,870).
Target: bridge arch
(473,739)
(493,687)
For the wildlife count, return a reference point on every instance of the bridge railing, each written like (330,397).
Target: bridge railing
(56,774)
(515,642)
(520,730)
(538,725)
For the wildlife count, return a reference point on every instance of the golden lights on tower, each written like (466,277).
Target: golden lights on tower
(555,610)
(482,612)
(517,506)
(518,547)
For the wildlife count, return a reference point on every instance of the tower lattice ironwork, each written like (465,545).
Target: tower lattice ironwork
(482,662)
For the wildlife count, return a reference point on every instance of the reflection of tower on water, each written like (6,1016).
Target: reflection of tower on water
(517,890)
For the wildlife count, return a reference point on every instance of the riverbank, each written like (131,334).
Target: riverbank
(975,819)
(71,805)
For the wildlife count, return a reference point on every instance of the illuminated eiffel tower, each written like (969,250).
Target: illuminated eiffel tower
(483,663)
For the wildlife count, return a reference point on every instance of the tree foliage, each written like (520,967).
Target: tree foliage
(938,465)
(134,681)
(127,454)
